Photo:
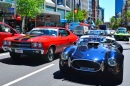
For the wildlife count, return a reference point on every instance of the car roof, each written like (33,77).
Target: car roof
(46,27)
(107,37)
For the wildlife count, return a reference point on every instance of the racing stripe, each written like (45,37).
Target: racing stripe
(27,37)
(24,38)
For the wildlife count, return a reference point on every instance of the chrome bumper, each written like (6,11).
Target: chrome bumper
(23,50)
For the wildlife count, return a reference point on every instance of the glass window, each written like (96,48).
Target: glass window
(4,28)
(44,32)
(63,32)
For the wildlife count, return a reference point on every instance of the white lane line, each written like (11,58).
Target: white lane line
(4,54)
(19,79)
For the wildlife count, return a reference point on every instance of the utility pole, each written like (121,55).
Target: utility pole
(15,14)
(126,8)
(73,8)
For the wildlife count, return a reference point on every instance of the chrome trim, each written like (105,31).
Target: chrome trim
(6,48)
(86,70)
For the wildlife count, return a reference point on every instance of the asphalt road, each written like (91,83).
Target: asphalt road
(28,71)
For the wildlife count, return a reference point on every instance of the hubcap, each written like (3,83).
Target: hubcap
(50,54)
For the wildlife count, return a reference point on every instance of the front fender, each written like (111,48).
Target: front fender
(119,60)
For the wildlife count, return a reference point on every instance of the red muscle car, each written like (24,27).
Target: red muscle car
(40,41)
(6,31)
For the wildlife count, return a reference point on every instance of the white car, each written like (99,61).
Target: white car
(80,30)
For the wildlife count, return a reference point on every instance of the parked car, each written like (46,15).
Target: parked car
(40,41)
(95,32)
(122,35)
(81,30)
(94,55)
(6,31)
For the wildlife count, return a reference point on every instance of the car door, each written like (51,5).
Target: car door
(64,37)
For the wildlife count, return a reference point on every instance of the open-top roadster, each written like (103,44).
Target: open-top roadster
(94,54)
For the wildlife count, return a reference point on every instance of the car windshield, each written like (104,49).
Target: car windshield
(51,32)
(95,32)
(121,31)
(121,28)
(79,28)
(85,41)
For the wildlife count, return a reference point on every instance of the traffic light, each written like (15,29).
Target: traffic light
(75,11)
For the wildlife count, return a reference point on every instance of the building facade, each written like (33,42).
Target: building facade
(55,9)
(101,14)
(95,9)
(118,6)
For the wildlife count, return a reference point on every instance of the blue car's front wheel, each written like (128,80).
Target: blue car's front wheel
(63,68)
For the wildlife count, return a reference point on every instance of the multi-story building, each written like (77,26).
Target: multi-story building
(118,6)
(87,5)
(95,9)
(101,14)
(90,8)
(55,9)
(4,10)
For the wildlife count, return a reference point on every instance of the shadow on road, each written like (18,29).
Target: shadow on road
(24,60)
(81,79)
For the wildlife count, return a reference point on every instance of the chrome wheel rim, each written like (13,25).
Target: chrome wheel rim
(50,54)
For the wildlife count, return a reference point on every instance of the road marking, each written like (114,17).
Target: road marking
(4,54)
(19,79)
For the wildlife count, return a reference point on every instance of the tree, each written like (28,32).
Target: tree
(112,21)
(29,8)
(119,21)
(128,15)
(98,22)
(79,16)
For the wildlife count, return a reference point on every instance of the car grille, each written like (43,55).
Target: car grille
(21,44)
(85,65)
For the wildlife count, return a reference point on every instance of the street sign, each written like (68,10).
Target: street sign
(11,10)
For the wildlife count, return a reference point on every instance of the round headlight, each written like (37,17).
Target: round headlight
(112,62)
(39,45)
(64,56)
(9,43)
(5,42)
(34,44)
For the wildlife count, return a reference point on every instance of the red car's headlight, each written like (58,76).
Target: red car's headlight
(37,45)
(7,43)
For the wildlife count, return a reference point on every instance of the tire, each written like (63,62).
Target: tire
(14,56)
(63,69)
(119,77)
(50,55)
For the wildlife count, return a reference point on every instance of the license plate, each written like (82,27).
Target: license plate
(18,51)
(85,68)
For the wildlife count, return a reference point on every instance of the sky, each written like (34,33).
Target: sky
(109,6)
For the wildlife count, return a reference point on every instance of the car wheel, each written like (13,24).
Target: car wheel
(14,56)
(63,69)
(119,77)
(50,55)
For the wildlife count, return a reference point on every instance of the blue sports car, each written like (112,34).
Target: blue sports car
(94,54)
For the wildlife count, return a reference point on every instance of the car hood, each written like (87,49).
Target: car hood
(31,38)
(94,54)
(122,34)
